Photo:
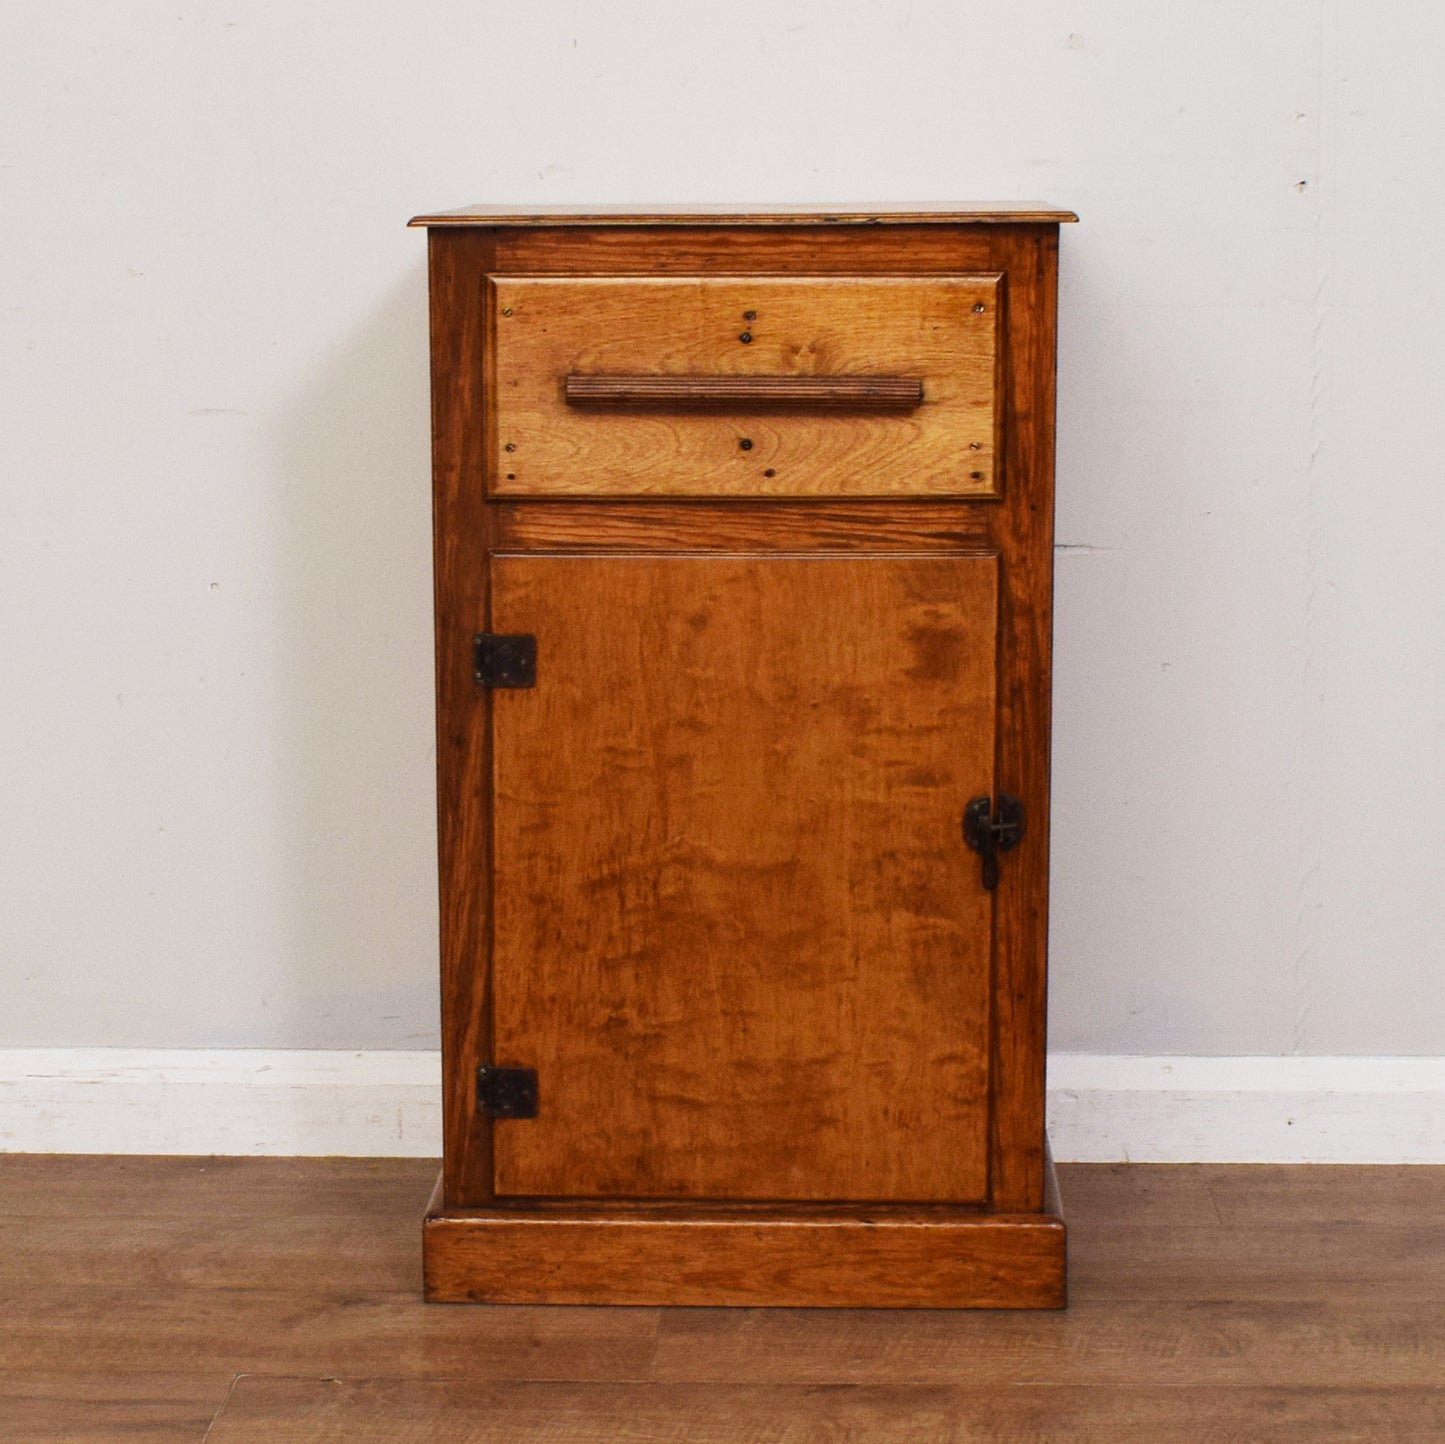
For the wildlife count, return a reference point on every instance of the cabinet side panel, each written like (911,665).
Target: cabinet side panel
(458,263)
(1028,256)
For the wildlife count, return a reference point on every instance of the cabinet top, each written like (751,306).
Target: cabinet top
(956,213)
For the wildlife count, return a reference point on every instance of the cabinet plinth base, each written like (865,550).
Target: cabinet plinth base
(835,1259)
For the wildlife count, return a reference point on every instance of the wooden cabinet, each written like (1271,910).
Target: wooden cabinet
(743,564)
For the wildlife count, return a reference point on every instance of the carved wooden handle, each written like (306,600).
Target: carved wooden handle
(848,393)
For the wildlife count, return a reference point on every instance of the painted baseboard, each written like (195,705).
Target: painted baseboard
(387,1104)
(232,1100)
(1106,1109)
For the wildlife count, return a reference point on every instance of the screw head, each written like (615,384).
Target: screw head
(746,443)
(746,338)
(750,315)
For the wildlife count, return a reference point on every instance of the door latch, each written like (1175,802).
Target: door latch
(988,835)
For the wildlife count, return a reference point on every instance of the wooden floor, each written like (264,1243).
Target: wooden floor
(275,1300)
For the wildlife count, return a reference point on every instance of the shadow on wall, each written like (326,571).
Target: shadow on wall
(354,763)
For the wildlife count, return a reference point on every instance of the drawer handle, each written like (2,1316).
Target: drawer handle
(843,393)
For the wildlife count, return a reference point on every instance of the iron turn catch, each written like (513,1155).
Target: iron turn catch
(988,835)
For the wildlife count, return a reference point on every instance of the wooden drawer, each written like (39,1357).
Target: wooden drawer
(744,386)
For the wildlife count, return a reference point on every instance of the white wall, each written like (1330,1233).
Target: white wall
(215,752)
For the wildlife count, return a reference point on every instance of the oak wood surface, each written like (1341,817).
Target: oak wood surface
(722,250)
(737,931)
(936,213)
(1028,257)
(460,529)
(734,526)
(757,331)
(889,1260)
(1330,1342)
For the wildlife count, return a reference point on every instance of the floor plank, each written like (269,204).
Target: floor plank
(286,1332)
(82,1406)
(161,1186)
(378,1411)
(294,1251)
(1268,1196)
(1287,1261)
(1113,1193)
(1289,1344)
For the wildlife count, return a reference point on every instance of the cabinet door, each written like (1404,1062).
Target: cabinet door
(737,932)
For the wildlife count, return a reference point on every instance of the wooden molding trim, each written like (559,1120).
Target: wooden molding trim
(749,1260)
(947,214)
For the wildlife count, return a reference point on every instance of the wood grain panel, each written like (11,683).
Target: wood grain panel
(1028,257)
(737,931)
(730,526)
(722,250)
(940,328)
(988,1261)
(460,523)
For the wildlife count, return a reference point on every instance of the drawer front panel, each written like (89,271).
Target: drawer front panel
(744,386)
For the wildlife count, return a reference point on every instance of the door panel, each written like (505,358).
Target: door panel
(736,930)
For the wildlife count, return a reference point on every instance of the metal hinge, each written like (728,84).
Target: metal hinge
(501,660)
(507,1092)
(988,836)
